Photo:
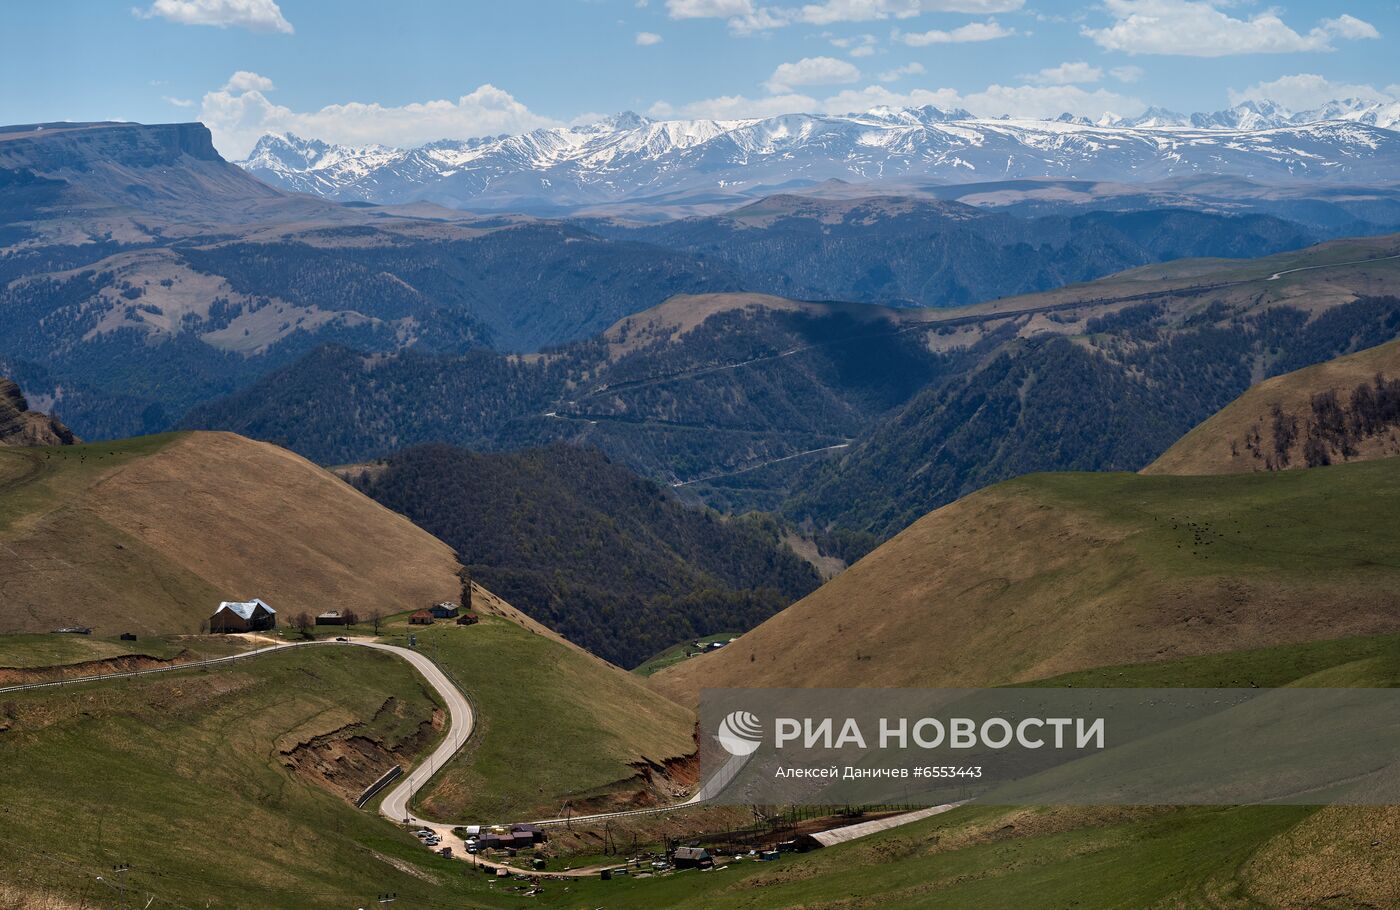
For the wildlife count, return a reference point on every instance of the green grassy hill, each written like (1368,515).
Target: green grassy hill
(213,761)
(221,788)
(556,726)
(1052,573)
(1106,858)
(680,652)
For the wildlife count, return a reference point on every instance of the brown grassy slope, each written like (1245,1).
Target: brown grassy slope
(148,535)
(1058,572)
(1224,443)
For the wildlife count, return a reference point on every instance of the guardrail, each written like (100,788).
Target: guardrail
(373,789)
(187,665)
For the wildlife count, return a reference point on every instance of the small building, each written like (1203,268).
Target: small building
(445,610)
(243,616)
(73,630)
(421,618)
(128,636)
(692,858)
(330,618)
(526,834)
(468,619)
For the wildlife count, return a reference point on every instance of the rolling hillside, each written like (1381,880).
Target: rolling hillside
(1347,409)
(286,740)
(148,535)
(1058,572)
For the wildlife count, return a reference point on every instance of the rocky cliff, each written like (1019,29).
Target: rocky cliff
(20,426)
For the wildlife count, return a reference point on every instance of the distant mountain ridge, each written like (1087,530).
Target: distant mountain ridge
(631,157)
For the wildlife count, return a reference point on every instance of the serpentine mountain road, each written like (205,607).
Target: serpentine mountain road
(462,719)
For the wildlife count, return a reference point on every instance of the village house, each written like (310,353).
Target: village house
(421,618)
(692,858)
(243,616)
(330,618)
(445,610)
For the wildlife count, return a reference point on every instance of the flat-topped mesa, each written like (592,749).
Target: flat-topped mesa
(19,426)
(53,146)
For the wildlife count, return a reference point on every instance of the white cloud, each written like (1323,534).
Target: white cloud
(1040,101)
(899,72)
(708,9)
(1303,91)
(856,45)
(244,81)
(1197,28)
(989,30)
(1027,101)
(1347,26)
(811,71)
(177,102)
(1066,74)
(736,107)
(1128,73)
(255,15)
(237,117)
(830,11)
(863,99)
(647,39)
(745,17)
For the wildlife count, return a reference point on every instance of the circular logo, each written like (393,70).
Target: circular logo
(740,733)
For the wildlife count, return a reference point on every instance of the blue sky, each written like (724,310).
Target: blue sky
(407,72)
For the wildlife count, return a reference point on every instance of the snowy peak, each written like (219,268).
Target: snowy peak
(628,158)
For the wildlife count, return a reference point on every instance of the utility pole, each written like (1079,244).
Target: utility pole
(120,871)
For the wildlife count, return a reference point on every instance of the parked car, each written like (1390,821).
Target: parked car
(341,638)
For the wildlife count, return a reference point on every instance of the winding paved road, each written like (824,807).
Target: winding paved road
(462,720)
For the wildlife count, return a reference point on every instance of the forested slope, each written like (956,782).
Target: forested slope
(611,561)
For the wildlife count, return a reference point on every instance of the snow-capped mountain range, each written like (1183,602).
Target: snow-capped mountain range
(633,159)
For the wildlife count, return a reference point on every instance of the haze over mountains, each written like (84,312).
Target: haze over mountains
(632,159)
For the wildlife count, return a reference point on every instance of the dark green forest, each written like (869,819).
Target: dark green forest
(1050,404)
(606,558)
(918,252)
